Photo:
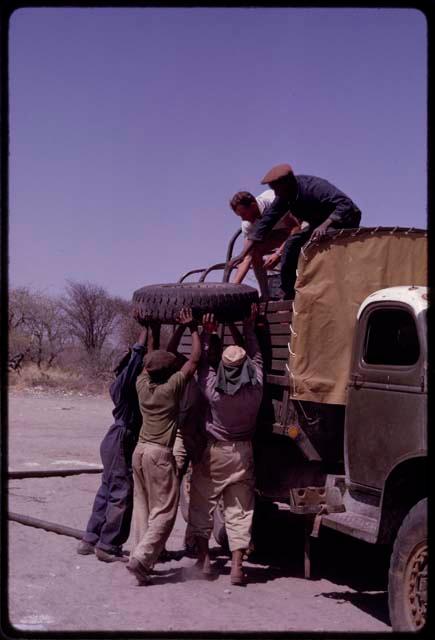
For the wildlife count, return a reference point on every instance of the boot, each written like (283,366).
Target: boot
(203,562)
(237,575)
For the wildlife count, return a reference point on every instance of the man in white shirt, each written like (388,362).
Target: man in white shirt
(250,208)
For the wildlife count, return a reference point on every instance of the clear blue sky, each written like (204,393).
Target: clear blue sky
(130,129)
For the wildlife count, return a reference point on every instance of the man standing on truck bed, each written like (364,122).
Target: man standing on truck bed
(250,209)
(310,199)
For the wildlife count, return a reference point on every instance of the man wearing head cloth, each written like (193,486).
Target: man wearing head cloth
(312,200)
(156,488)
(234,392)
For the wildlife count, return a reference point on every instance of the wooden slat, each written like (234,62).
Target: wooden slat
(283,381)
(278,365)
(280,341)
(281,317)
(281,328)
(281,354)
(277,305)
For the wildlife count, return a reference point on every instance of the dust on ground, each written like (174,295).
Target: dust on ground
(51,587)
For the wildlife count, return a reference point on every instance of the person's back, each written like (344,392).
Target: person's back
(160,388)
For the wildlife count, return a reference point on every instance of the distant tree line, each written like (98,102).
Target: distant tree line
(84,328)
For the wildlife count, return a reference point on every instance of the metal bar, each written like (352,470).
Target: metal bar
(47,473)
(214,267)
(189,273)
(47,526)
(227,271)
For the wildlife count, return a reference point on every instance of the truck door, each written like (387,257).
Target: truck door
(386,409)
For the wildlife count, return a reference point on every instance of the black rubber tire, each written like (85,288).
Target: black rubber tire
(229,302)
(407,580)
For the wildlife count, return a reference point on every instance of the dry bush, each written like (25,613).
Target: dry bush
(56,379)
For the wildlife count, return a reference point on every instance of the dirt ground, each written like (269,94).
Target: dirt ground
(51,587)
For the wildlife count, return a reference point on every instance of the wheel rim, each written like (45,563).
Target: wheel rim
(416,586)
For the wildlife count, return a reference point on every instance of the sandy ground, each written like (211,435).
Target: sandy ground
(51,587)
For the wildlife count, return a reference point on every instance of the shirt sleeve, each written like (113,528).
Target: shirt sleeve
(342,208)
(272,213)
(254,352)
(127,378)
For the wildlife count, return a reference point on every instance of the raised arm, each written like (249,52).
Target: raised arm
(186,319)
(175,338)
(236,335)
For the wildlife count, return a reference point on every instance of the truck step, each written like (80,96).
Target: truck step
(353,524)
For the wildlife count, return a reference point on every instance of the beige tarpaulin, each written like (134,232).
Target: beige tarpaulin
(334,277)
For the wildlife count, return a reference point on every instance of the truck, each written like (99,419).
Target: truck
(341,437)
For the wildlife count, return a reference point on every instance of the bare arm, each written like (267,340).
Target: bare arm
(243,267)
(186,319)
(175,339)
(237,336)
(247,248)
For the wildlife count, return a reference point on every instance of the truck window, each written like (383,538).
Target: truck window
(391,338)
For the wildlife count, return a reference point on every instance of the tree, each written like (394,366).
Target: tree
(91,316)
(36,326)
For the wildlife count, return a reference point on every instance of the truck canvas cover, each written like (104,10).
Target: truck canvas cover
(334,277)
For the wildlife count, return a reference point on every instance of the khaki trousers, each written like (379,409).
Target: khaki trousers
(226,469)
(155,500)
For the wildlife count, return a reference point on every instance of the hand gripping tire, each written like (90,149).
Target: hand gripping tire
(229,302)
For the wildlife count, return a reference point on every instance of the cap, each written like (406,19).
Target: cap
(233,356)
(159,360)
(276,173)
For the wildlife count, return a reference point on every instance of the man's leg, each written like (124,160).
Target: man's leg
(140,498)
(238,497)
(162,489)
(116,527)
(98,515)
(290,261)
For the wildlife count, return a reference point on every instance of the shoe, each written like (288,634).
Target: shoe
(237,575)
(138,570)
(85,548)
(164,556)
(104,556)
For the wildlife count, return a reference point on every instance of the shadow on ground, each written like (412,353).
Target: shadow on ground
(279,545)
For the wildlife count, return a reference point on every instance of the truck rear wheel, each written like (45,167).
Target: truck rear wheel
(407,583)
(229,302)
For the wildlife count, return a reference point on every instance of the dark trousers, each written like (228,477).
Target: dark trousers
(109,524)
(293,247)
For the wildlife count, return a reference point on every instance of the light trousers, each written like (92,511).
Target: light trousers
(155,501)
(226,469)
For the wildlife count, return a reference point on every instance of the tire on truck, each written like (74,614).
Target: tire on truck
(407,580)
(228,301)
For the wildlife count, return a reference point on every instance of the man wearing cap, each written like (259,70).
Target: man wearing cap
(310,199)
(250,209)
(234,392)
(156,487)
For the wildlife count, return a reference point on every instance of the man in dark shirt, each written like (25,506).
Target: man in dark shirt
(312,200)
(109,524)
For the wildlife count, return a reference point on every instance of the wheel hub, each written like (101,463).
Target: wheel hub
(417,586)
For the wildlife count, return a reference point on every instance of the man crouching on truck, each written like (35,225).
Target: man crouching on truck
(156,486)
(311,200)
(250,209)
(234,392)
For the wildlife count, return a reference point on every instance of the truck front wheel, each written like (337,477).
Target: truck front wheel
(407,583)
